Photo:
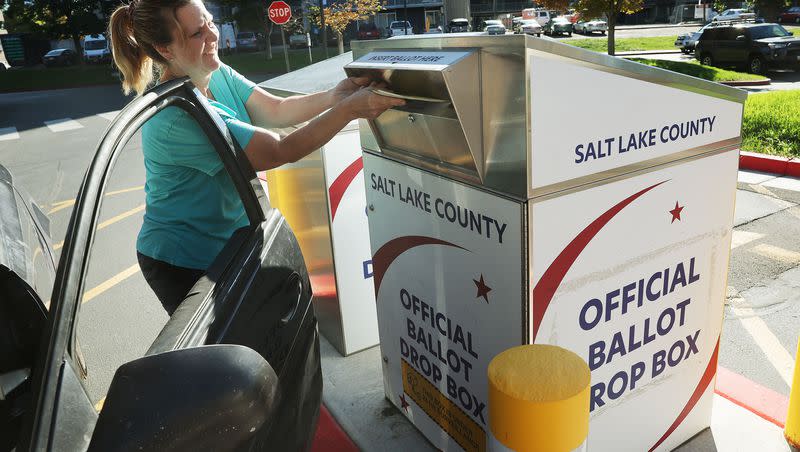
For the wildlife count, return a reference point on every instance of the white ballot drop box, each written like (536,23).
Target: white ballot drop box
(534,192)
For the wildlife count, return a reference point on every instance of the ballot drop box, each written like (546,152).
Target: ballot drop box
(533,192)
(322,198)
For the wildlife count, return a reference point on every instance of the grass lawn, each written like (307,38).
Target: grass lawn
(36,78)
(626,44)
(257,62)
(771,123)
(695,69)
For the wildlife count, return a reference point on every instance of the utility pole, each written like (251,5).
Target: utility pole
(324,28)
(454,9)
(405,17)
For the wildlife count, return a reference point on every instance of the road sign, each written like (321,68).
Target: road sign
(279,12)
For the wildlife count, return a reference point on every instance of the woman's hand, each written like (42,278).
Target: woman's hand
(347,87)
(364,103)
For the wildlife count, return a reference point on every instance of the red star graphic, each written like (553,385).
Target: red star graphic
(676,212)
(483,289)
(403,403)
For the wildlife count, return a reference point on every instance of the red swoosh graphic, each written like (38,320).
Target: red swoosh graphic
(392,249)
(552,277)
(705,380)
(343,180)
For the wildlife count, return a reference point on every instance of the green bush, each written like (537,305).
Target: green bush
(771,123)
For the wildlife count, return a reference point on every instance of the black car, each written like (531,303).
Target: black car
(60,57)
(458,26)
(754,46)
(236,367)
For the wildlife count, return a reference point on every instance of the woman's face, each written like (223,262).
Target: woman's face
(195,53)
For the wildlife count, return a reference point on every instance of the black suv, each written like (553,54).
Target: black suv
(756,46)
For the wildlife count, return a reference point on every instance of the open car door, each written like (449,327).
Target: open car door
(262,391)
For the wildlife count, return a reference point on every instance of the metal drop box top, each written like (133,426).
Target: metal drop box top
(475,106)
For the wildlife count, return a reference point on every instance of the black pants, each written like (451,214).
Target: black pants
(170,283)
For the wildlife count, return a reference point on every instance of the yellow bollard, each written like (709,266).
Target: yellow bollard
(792,430)
(539,399)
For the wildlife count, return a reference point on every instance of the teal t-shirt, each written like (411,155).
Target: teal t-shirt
(192,207)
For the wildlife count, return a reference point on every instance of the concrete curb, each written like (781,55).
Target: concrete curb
(748,82)
(647,52)
(779,166)
(763,402)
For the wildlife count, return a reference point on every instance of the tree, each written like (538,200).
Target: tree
(340,14)
(770,9)
(58,19)
(611,9)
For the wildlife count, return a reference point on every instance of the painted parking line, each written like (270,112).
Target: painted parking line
(110,221)
(770,345)
(8,133)
(63,124)
(99,405)
(109,283)
(60,205)
(110,115)
(743,238)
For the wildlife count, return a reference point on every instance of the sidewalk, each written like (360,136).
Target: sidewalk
(354,395)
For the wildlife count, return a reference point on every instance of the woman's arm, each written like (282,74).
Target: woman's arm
(266,150)
(267,110)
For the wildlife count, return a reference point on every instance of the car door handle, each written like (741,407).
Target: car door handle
(291,295)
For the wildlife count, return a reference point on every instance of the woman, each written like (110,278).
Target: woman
(192,206)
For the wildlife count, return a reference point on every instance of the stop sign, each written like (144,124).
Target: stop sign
(279,12)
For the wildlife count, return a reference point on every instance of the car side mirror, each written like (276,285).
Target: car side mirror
(213,397)
(741,38)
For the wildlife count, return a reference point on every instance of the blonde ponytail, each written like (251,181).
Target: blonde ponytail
(135,66)
(135,30)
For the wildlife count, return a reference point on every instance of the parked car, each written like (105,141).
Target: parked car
(737,14)
(540,15)
(368,31)
(530,27)
(791,15)
(558,26)
(193,389)
(249,40)
(60,57)
(755,46)
(687,41)
(400,28)
(459,25)
(95,49)
(494,27)
(298,41)
(590,26)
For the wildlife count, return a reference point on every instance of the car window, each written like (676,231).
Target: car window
(768,31)
(729,34)
(120,315)
(709,34)
(94,45)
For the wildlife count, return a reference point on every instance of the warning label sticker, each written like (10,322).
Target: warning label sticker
(466,432)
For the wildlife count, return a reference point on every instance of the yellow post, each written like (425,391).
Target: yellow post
(539,399)
(792,430)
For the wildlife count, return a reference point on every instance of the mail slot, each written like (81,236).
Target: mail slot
(534,192)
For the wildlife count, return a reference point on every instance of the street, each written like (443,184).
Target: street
(48,138)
